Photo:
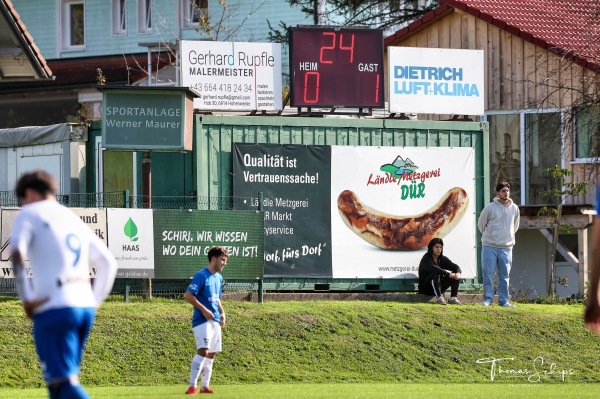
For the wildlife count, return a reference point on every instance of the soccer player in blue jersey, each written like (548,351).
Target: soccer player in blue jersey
(592,310)
(204,294)
(62,301)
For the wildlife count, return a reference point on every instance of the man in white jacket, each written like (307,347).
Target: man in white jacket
(498,223)
(62,301)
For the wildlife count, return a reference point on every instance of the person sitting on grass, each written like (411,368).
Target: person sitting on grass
(437,273)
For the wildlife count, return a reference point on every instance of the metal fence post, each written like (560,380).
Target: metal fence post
(261,208)
(125,198)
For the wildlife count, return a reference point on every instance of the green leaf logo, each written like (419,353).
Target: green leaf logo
(131,230)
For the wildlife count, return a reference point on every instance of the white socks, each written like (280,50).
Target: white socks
(195,369)
(207,367)
(201,366)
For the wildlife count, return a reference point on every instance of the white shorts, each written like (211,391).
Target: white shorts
(208,335)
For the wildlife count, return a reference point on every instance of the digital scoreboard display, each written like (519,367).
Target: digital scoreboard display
(336,67)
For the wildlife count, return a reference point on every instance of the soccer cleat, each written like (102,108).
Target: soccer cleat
(454,301)
(508,305)
(191,391)
(206,390)
(441,300)
(485,303)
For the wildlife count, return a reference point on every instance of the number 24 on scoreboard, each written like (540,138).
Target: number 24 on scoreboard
(336,67)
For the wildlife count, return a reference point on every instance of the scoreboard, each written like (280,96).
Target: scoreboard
(336,67)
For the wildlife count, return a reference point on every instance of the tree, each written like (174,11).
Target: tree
(567,79)
(559,190)
(215,27)
(380,14)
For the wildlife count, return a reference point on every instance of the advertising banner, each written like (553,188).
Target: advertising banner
(392,201)
(131,241)
(359,212)
(182,240)
(95,218)
(295,182)
(436,81)
(232,76)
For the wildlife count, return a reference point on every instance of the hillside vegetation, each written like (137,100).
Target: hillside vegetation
(151,343)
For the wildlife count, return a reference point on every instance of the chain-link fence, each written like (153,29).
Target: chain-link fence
(122,199)
(191,202)
(159,288)
(173,289)
(78,200)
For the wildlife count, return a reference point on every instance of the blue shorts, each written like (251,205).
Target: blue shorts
(60,336)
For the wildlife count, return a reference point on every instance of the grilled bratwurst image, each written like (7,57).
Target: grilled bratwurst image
(403,233)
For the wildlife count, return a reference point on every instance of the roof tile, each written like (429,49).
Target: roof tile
(564,25)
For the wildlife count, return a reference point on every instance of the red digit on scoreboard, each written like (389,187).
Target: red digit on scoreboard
(316,79)
(325,48)
(349,47)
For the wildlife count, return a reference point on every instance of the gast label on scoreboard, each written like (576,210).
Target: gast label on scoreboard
(436,81)
(232,76)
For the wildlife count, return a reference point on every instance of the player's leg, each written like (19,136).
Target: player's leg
(86,321)
(202,336)
(56,339)
(207,368)
(71,389)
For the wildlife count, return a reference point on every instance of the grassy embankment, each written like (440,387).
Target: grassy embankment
(150,343)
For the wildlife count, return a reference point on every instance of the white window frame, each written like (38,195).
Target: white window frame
(65,25)
(119,17)
(522,139)
(576,159)
(145,22)
(188,12)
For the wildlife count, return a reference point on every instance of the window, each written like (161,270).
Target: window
(72,24)
(119,16)
(587,132)
(522,145)
(144,16)
(543,143)
(505,153)
(194,11)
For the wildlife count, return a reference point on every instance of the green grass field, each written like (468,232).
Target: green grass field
(318,349)
(340,391)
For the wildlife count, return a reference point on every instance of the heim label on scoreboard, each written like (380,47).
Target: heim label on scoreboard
(232,76)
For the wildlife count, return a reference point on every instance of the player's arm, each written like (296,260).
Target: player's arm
(23,287)
(222,313)
(22,283)
(106,269)
(192,300)
(592,311)
(19,242)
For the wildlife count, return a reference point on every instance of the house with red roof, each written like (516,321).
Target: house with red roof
(541,100)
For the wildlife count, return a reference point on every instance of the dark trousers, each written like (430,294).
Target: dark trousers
(436,285)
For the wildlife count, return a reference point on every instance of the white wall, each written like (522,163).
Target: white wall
(531,257)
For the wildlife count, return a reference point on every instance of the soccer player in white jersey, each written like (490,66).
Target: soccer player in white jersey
(62,301)
(204,294)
